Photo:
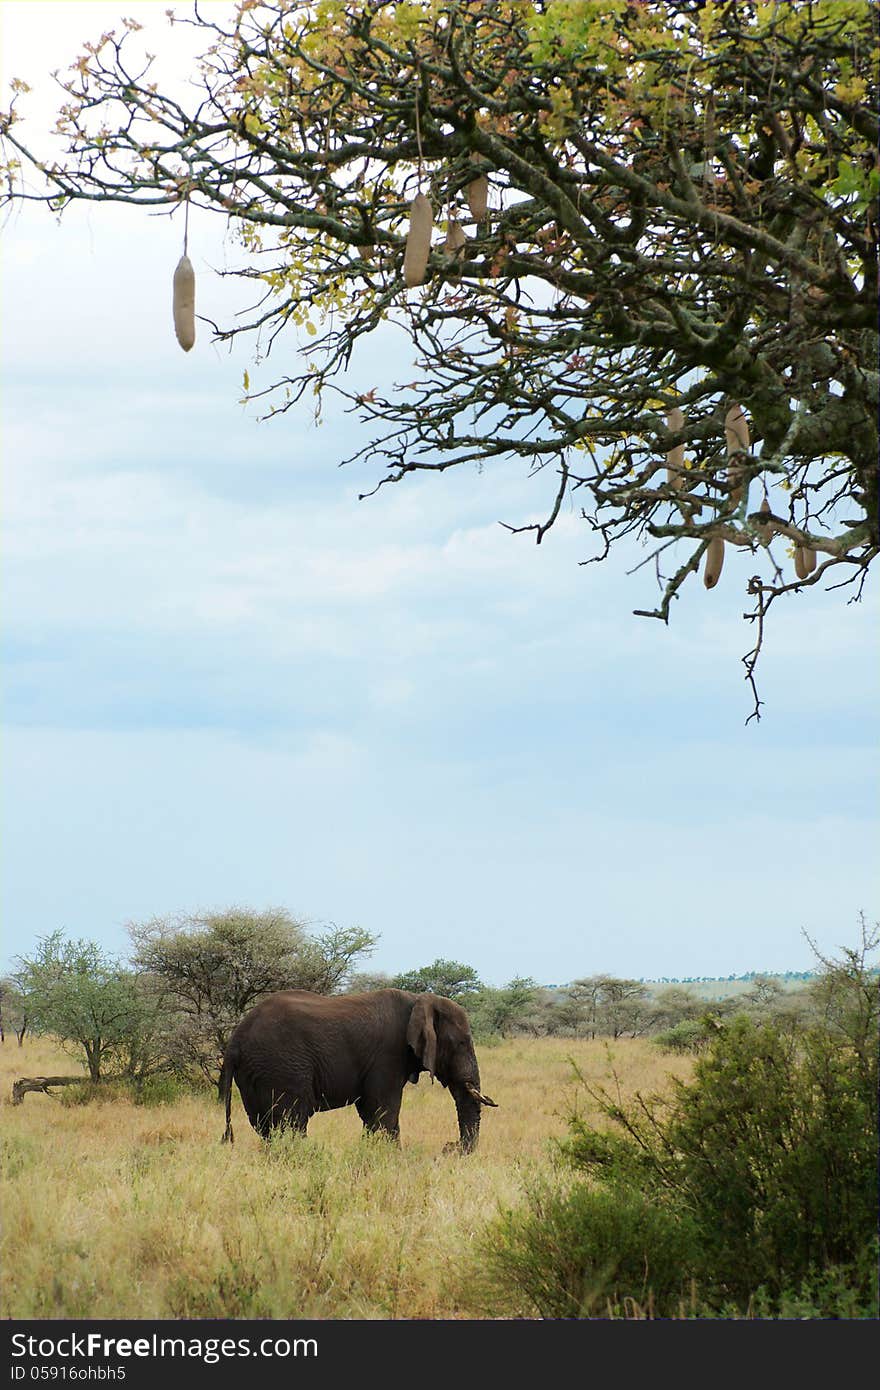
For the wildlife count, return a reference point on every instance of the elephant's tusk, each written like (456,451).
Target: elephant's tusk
(484,1100)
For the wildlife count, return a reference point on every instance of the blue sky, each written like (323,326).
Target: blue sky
(226,680)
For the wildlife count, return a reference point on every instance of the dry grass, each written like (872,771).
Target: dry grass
(117,1210)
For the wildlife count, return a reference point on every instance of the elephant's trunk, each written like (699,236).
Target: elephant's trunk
(469,1101)
(468,1110)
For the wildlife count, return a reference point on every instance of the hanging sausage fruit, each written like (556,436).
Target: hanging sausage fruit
(804,561)
(714,562)
(478,194)
(675,460)
(185,303)
(418,241)
(765,528)
(736,434)
(675,457)
(421,222)
(184,297)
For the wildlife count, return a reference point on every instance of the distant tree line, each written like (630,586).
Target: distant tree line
(607,1006)
(734,979)
(171,1007)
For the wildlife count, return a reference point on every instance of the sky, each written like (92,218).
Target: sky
(227,681)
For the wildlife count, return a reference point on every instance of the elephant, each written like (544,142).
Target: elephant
(296,1053)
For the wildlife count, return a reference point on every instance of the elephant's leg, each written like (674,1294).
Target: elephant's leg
(380,1116)
(290,1112)
(258,1112)
(293,1119)
(281,1112)
(262,1123)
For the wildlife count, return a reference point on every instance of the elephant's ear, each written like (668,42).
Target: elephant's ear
(420,1033)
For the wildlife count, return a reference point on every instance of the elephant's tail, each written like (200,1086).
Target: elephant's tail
(224,1093)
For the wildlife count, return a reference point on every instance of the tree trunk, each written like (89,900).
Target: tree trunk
(41,1083)
(93,1056)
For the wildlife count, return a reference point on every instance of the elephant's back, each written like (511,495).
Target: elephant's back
(299,1009)
(314,1031)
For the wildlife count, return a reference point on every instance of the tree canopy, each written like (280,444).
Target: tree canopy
(77,991)
(652,273)
(13,1010)
(447,977)
(212,967)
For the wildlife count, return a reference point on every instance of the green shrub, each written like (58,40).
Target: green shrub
(95,1092)
(160,1090)
(582,1252)
(845,1291)
(772,1149)
(691,1035)
(756,1180)
(840,1291)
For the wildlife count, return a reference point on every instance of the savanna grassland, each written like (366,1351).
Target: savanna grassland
(112,1209)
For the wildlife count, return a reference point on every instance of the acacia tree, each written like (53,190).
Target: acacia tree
(450,978)
(210,968)
(653,278)
(506,1009)
(92,1004)
(580,1004)
(13,1010)
(604,1004)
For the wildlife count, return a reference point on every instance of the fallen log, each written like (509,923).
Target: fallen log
(42,1083)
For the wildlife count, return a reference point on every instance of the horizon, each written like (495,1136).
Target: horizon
(362,967)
